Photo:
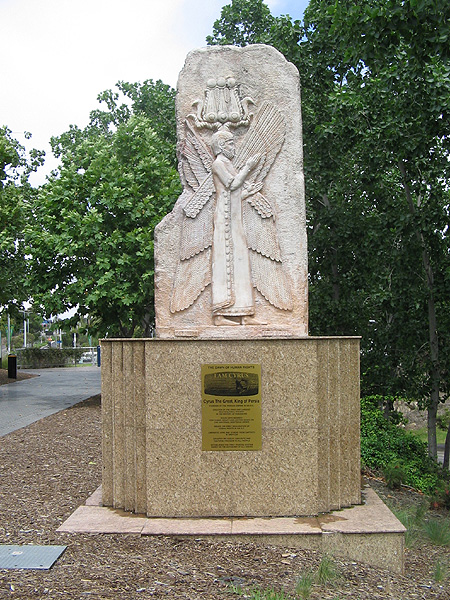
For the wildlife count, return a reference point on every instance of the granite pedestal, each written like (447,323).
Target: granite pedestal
(153,461)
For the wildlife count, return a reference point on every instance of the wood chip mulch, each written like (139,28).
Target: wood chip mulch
(4,379)
(49,468)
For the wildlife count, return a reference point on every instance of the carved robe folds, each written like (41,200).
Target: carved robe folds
(232,289)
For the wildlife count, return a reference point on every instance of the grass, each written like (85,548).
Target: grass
(257,594)
(304,585)
(325,574)
(440,572)
(413,520)
(412,533)
(327,571)
(422,434)
(438,531)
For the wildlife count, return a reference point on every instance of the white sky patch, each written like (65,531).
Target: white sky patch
(58,55)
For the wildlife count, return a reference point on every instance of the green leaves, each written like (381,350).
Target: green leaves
(385,446)
(94,245)
(15,197)
(242,22)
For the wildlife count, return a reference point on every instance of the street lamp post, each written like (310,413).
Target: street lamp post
(8,341)
(26,327)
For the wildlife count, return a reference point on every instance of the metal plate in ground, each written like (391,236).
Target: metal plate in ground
(29,557)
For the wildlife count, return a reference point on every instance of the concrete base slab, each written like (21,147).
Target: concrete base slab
(99,519)
(368,532)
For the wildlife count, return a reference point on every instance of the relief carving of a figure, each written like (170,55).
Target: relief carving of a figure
(229,238)
(231,279)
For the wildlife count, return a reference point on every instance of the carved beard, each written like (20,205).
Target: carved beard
(228,153)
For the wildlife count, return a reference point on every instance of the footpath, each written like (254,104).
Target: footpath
(27,401)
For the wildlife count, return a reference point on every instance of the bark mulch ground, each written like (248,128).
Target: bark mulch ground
(49,468)
(20,376)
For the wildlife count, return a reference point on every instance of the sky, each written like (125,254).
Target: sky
(58,55)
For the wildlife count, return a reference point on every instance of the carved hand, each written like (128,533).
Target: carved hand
(253,161)
(251,189)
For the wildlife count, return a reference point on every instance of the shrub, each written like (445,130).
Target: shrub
(37,358)
(384,445)
(394,475)
(441,495)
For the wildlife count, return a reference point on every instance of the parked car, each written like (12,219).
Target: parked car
(88,357)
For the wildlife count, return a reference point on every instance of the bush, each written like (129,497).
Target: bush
(441,495)
(443,420)
(394,475)
(37,358)
(384,445)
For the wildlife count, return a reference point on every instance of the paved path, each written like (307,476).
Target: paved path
(27,401)
(440,452)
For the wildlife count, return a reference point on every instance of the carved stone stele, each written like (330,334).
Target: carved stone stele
(231,257)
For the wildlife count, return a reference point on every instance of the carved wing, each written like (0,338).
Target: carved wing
(265,258)
(195,158)
(191,278)
(270,279)
(193,272)
(261,233)
(261,205)
(198,200)
(197,231)
(265,136)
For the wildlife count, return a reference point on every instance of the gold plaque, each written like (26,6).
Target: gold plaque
(231,407)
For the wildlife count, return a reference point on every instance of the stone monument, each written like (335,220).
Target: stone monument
(231,258)
(233,410)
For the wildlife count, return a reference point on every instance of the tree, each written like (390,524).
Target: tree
(375,99)
(155,100)
(396,55)
(93,250)
(15,195)
(242,23)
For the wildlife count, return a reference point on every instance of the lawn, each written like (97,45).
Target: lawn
(423,435)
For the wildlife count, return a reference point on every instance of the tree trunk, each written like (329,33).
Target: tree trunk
(147,324)
(434,374)
(126,331)
(431,425)
(432,324)
(388,408)
(447,449)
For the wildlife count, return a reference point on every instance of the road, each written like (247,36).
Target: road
(440,452)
